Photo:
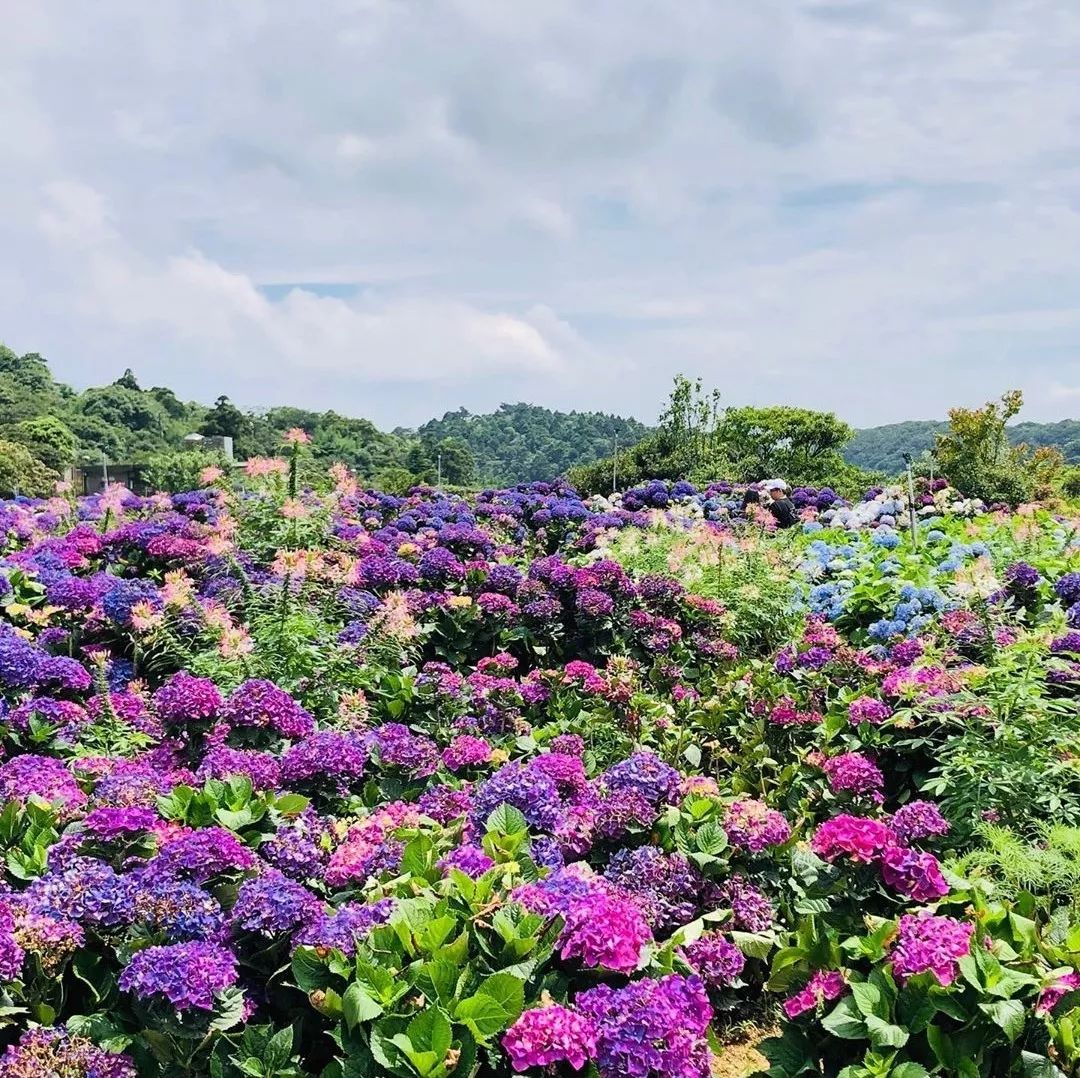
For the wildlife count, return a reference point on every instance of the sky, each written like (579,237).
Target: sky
(393,208)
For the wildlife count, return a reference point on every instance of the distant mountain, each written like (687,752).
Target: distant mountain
(523,442)
(882,448)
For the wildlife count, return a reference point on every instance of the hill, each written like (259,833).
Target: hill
(882,448)
(524,442)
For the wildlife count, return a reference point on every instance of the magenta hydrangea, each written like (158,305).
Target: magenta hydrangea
(40,776)
(857,837)
(854,773)
(466,751)
(546,1036)
(604,930)
(867,709)
(325,759)
(823,986)
(926,943)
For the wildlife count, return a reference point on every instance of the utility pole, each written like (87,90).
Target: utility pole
(912,522)
(615,467)
(438,482)
(104,471)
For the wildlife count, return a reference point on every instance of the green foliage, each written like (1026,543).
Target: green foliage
(979,460)
(48,438)
(449,461)
(22,473)
(699,440)
(179,469)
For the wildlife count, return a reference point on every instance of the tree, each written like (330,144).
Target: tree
(48,439)
(224,420)
(120,406)
(128,380)
(978,459)
(798,444)
(22,473)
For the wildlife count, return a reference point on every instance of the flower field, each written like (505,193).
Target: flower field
(301,779)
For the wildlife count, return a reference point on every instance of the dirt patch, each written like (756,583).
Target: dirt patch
(740,1057)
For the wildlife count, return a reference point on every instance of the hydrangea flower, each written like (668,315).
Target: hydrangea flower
(753,826)
(345,927)
(56,1053)
(854,773)
(546,1036)
(271,903)
(918,820)
(928,943)
(650,1028)
(857,837)
(604,930)
(916,875)
(185,975)
(715,959)
(823,985)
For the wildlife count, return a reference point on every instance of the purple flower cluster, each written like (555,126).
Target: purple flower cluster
(325,758)
(645,773)
(663,885)
(918,820)
(650,1028)
(927,943)
(604,930)
(261,704)
(185,975)
(345,927)
(823,986)
(854,773)
(715,959)
(547,1036)
(272,903)
(184,698)
(56,1053)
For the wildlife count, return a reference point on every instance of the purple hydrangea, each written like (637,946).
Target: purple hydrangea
(325,758)
(650,1028)
(345,927)
(271,903)
(928,943)
(604,930)
(918,820)
(546,1036)
(645,773)
(715,959)
(185,975)
(468,859)
(185,698)
(534,794)
(663,885)
(56,1053)
(263,705)
(753,826)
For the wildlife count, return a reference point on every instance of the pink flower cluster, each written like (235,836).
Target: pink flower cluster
(867,709)
(550,1035)
(914,874)
(605,930)
(823,985)
(786,713)
(753,826)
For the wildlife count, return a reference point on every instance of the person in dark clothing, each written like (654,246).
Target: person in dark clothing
(782,507)
(750,497)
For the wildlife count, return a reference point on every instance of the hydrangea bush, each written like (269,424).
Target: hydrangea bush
(317,783)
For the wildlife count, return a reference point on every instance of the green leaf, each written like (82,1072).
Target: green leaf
(869,1000)
(844,1021)
(1037,1066)
(507,820)
(496,1004)
(1008,1014)
(753,945)
(909,1070)
(884,1034)
(357,1006)
(309,971)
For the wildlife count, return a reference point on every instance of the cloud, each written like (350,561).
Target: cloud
(569,203)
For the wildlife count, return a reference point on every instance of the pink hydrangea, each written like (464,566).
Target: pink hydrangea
(605,930)
(549,1035)
(1053,994)
(753,826)
(857,837)
(867,709)
(926,942)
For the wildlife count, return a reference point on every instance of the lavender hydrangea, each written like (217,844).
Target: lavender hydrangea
(187,976)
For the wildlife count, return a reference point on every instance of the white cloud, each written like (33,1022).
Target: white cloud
(564,202)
